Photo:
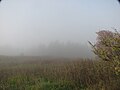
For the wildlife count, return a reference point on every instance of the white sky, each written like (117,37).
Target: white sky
(27,23)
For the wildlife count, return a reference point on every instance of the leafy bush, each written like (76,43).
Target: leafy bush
(107,47)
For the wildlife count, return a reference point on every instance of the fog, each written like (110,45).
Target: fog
(54,27)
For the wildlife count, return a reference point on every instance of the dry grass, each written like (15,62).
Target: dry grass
(35,73)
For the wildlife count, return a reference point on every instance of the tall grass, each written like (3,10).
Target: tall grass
(34,73)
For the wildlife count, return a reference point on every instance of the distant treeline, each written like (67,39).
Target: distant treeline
(54,49)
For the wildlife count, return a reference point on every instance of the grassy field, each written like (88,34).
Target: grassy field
(36,73)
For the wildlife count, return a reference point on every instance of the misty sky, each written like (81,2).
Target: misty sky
(27,23)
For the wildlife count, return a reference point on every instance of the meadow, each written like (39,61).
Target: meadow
(46,73)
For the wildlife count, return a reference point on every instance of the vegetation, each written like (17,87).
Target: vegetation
(107,48)
(35,73)
(46,73)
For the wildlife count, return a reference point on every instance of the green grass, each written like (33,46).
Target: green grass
(28,83)
(26,73)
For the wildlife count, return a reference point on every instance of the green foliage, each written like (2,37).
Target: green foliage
(28,83)
(60,74)
(107,48)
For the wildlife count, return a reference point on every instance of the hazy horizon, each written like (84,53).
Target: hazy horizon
(30,23)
